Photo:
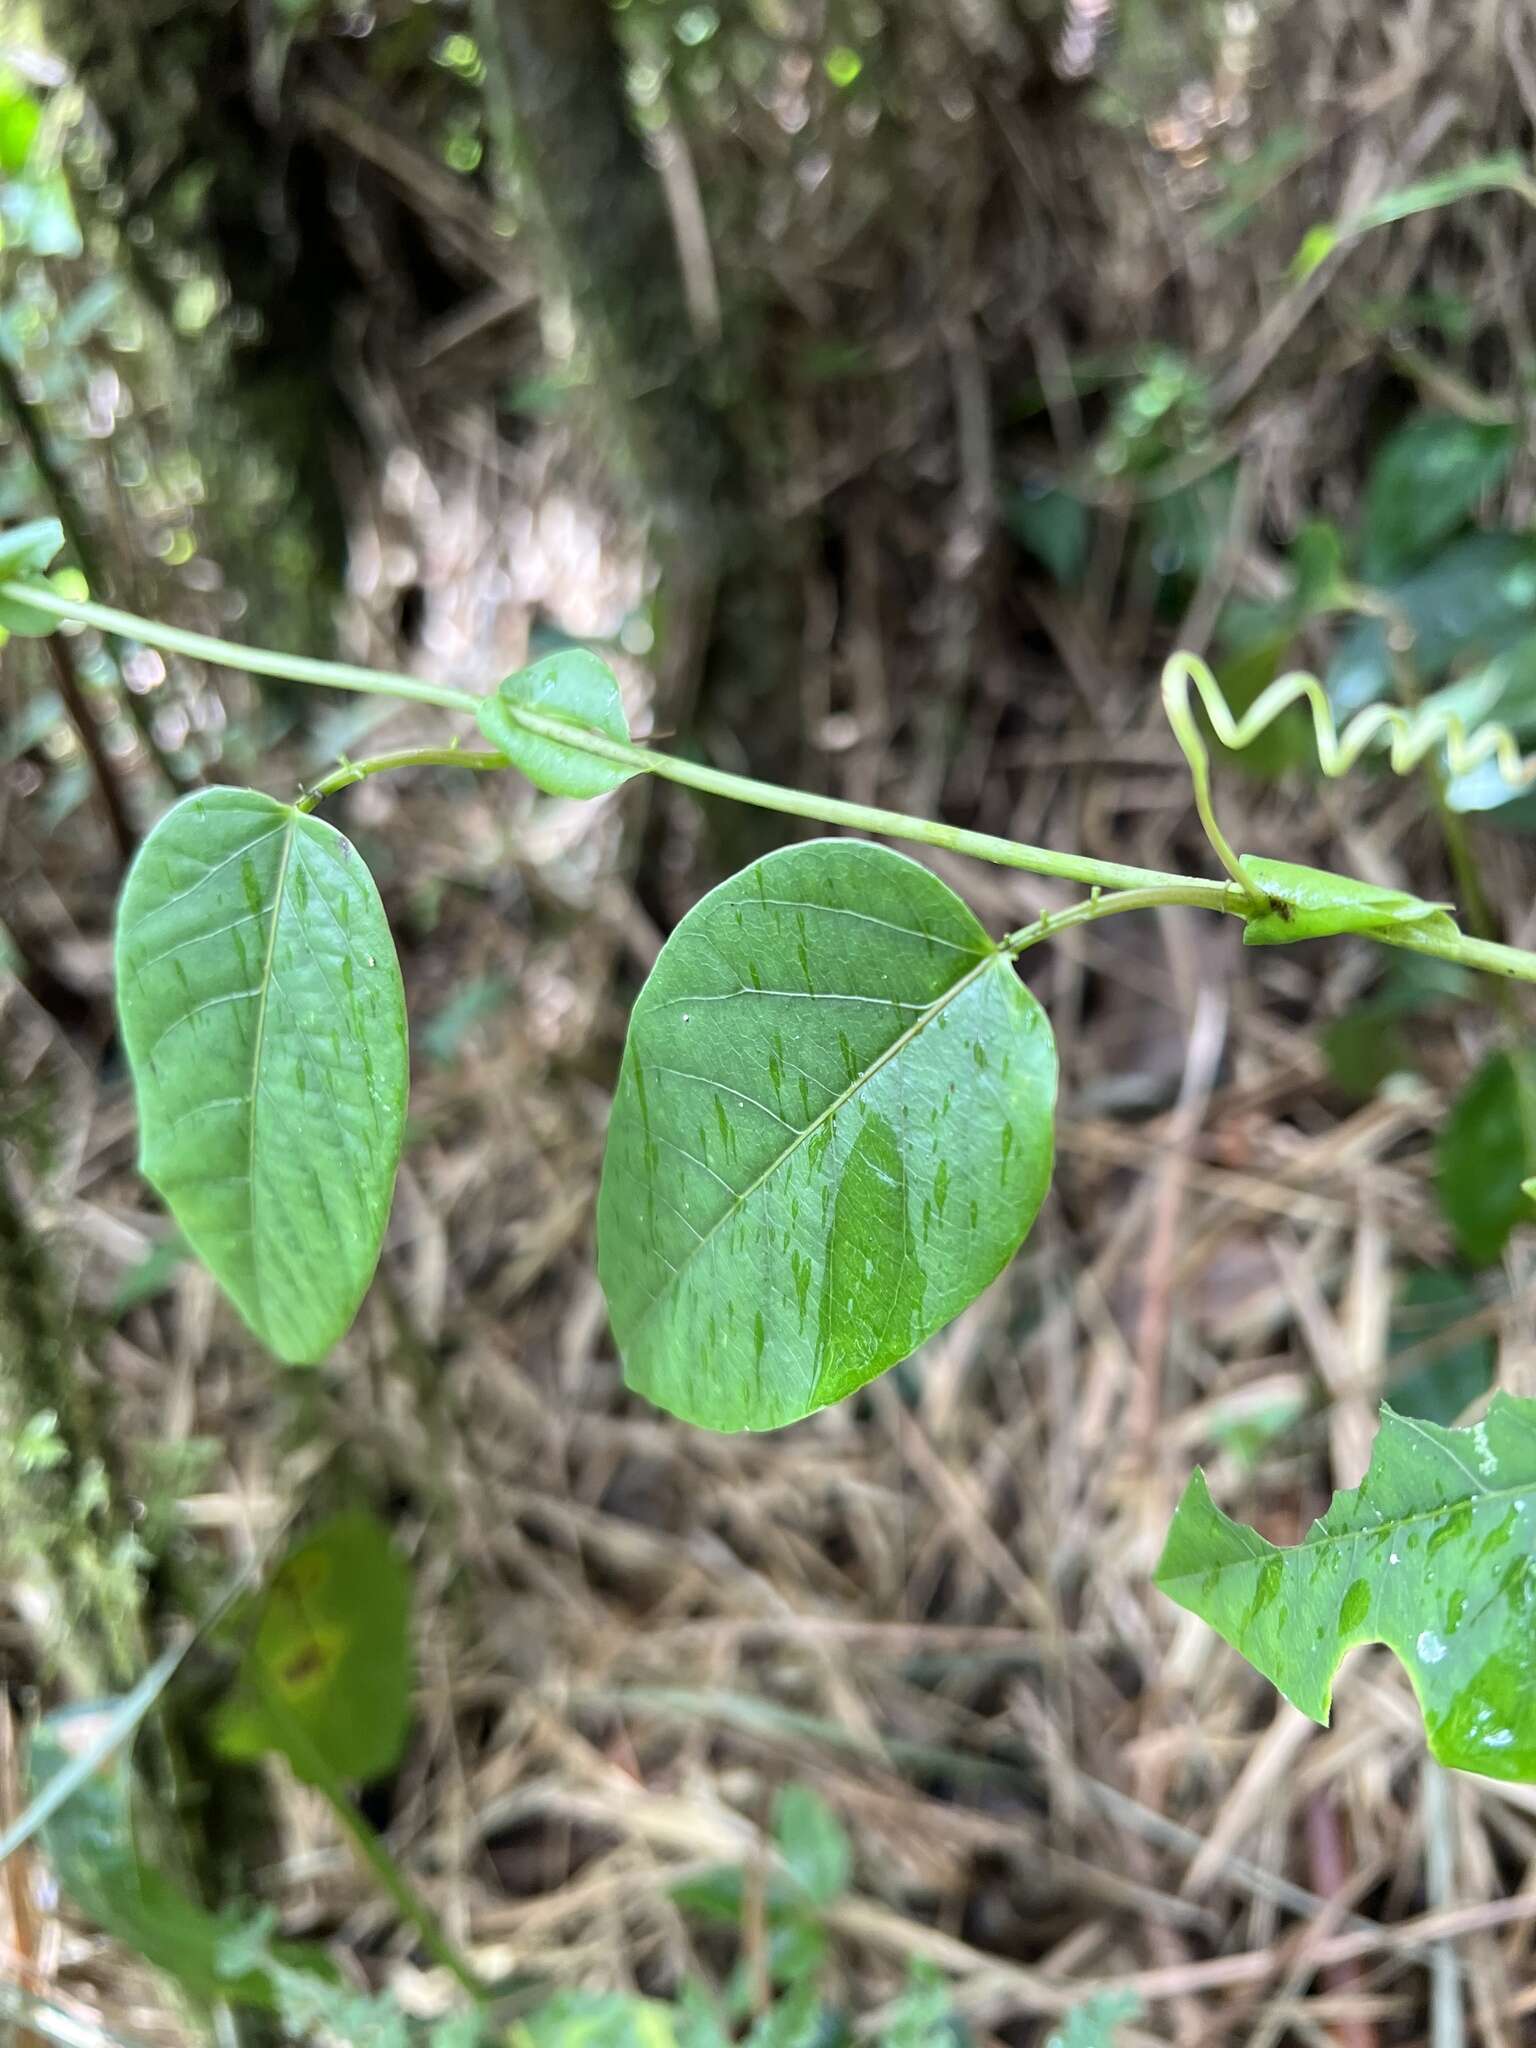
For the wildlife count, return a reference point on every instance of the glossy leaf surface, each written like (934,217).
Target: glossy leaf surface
(1424,483)
(264,1022)
(327,1675)
(577,688)
(89,1843)
(1486,1150)
(1434,1554)
(833,1127)
(1475,599)
(1310,903)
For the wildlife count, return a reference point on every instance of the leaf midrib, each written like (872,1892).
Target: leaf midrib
(1494,1495)
(290,836)
(738,1202)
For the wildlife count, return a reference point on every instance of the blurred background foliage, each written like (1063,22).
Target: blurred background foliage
(885,385)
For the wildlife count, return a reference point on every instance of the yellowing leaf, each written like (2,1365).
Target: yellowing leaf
(326,1679)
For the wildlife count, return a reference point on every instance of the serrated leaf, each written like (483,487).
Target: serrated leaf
(1310,903)
(833,1127)
(1424,483)
(1434,1554)
(326,1680)
(1485,1153)
(264,1022)
(89,1843)
(577,689)
(814,1844)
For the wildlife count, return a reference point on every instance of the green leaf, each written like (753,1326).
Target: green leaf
(833,1127)
(326,1680)
(573,688)
(1424,483)
(20,116)
(109,1725)
(1097,2023)
(1310,903)
(27,550)
(1434,1554)
(264,1022)
(813,1843)
(1487,1149)
(1053,526)
(1483,174)
(1476,599)
(1450,1375)
(922,2015)
(89,1842)
(586,2019)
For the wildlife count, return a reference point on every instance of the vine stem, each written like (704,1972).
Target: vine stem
(304,1753)
(1150,887)
(767,796)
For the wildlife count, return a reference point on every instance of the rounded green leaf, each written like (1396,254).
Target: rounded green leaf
(833,1127)
(1434,1554)
(576,688)
(264,1022)
(326,1681)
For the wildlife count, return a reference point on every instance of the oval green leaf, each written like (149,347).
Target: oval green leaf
(1434,1554)
(833,1127)
(574,688)
(264,1022)
(326,1681)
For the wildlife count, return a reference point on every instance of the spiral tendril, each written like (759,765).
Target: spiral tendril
(1412,734)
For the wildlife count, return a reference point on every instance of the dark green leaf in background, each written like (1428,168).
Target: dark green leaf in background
(577,688)
(1434,1554)
(264,1022)
(1437,1367)
(1051,525)
(1487,1147)
(1425,482)
(1476,599)
(327,1674)
(833,1127)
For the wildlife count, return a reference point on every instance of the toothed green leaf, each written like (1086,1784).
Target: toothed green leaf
(1434,1554)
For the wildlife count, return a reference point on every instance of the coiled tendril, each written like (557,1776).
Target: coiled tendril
(1411,734)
